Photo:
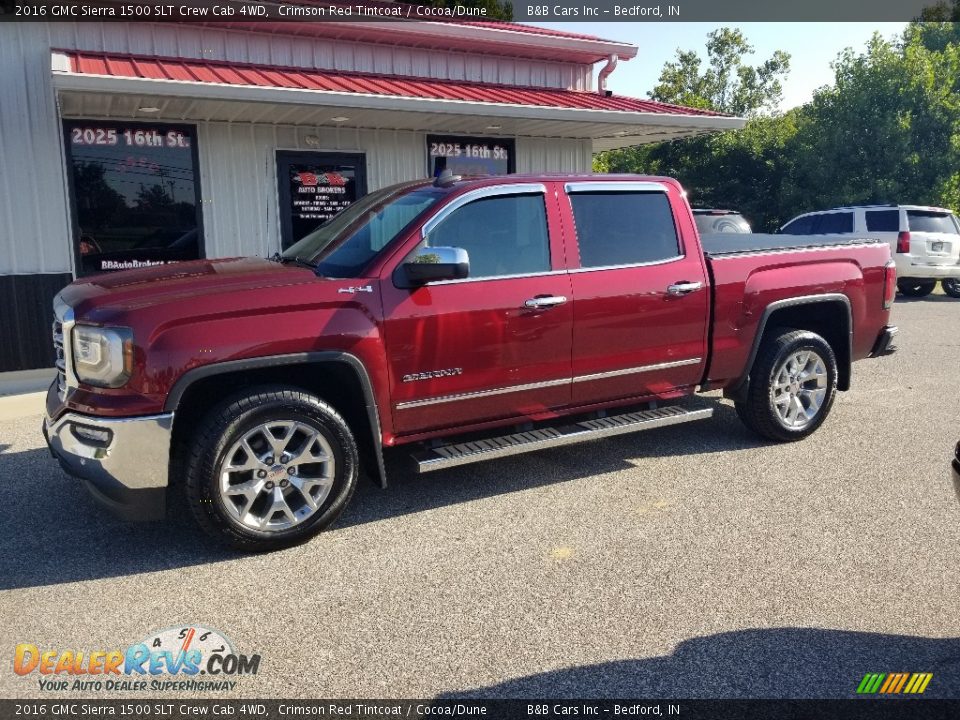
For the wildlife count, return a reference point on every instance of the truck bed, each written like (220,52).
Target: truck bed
(718,244)
(749,273)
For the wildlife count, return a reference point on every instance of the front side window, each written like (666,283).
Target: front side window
(503,235)
(135,190)
(624,228)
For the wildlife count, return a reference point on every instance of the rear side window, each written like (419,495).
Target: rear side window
(829,223)
(800,226)
(624,228)
(932,222)
(883,220)
(504,235)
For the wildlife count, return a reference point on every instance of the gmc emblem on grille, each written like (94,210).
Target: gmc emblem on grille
(430,374)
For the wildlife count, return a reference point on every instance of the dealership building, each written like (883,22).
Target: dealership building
(128,144)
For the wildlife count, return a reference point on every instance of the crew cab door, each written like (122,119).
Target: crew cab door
(640,291)
(497,344)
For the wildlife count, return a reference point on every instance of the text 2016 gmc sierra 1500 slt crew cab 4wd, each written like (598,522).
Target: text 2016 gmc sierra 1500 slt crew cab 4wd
(465,319)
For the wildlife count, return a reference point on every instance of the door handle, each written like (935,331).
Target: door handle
(539,303)
(684,288)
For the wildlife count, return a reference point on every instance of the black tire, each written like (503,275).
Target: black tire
(759,411)
(243,413)
(916,288)
(951,286)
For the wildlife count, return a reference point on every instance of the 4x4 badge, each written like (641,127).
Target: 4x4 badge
(355,289)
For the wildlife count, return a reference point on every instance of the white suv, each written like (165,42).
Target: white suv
(925,240)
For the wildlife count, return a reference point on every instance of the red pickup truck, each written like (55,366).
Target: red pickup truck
(463,318)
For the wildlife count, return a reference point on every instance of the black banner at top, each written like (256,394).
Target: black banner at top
(532,709)
(579,11)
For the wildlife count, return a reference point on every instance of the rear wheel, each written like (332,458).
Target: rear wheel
(792,386)
(271,468)
(916,288)
(951,286)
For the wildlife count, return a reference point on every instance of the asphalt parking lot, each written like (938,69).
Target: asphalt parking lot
(694,561)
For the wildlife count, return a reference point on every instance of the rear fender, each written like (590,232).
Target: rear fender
(784,313)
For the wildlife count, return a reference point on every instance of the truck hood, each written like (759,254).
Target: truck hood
(102,298)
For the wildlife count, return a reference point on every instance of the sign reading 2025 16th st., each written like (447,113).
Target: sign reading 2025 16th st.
(187,658)
(129,137)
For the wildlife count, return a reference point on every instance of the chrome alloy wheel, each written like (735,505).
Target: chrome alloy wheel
(277,475)
(799,388)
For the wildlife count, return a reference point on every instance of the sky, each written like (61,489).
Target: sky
(812,47)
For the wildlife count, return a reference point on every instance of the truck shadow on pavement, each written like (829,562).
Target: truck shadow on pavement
(756,663)
(409,492)
(926,299)
(53,532)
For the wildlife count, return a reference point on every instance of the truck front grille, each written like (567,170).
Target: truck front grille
(62,327)
(61,359)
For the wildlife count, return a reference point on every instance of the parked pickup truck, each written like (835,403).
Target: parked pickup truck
(462,319)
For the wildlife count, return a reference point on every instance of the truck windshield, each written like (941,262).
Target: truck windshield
(344,245)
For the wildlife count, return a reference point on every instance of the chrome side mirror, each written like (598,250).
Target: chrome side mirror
(431,264)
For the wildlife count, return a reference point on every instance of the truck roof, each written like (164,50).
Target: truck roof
(481,180)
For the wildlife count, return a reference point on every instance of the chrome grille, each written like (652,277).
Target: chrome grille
(62,327)
(61,359)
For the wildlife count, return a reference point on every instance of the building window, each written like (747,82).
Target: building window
(315,186)
(470,155)
(135,194)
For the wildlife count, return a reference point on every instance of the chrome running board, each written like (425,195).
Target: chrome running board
(445,456)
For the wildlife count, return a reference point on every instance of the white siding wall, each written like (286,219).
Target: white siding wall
(554,155)
(34,226)
(237,165)
(238,173)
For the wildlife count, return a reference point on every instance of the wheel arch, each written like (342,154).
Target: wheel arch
(816,313)
(344,379)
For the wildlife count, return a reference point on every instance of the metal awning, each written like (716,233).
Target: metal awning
(117,86)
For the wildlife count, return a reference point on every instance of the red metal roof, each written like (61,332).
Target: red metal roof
(205,71)
(532,29)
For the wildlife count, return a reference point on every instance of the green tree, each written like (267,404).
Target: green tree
(937,26)
(737,169)
(727,84)
(888,130)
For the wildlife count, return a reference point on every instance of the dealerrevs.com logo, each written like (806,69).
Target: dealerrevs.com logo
(187,658)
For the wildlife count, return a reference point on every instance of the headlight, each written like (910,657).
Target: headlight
(102,356)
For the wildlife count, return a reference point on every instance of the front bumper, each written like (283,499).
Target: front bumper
(884,344)
(123,462)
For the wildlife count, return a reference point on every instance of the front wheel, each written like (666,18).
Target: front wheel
(951,286)
(916,288)
(792,386)
(271,467)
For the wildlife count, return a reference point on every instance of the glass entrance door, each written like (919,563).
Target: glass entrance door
(315,186)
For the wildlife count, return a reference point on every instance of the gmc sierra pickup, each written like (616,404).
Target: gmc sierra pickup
(463,318)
